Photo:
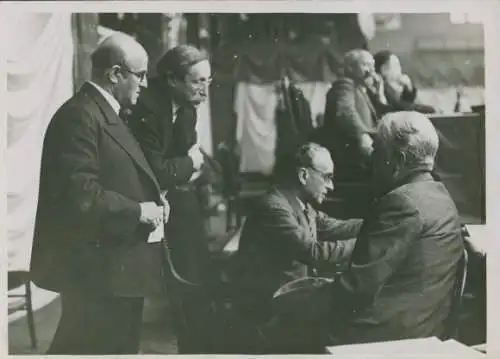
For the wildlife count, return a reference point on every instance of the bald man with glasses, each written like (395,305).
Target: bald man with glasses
(99,202)
(286,238)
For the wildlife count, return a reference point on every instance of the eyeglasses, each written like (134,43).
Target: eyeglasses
(201,82)
(327,177)
(141,75)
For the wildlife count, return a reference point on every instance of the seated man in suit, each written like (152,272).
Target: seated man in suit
(285,238)
(403,270)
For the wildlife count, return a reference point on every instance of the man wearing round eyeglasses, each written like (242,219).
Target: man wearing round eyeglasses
(99,201)
(285,238)
(164,123)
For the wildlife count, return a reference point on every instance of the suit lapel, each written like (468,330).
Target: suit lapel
(117,129)
(309,223)
(368,101)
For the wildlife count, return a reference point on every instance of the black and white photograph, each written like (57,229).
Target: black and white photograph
(248,183)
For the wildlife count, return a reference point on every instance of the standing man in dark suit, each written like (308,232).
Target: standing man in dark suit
(164,123)
(99,201)
(285,238)
(400,284)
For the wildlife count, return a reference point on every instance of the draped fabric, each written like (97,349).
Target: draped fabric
(39,79)
(85,36)
(256,129)
(262,48)
(266,62)
(255,106)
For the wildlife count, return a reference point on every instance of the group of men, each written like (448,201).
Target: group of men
(120,164)
(110,181)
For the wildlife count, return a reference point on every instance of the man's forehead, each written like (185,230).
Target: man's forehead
(322,161)
(200,70)
(139,62)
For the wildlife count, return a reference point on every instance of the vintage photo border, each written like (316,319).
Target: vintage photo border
(490,8)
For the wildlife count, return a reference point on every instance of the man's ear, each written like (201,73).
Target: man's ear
(400,158)
(303,175)
(113,74)
(171,79)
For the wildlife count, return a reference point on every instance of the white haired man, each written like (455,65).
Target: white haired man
(403,269)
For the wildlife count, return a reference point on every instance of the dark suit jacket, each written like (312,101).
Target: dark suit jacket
(93,177)
(349,113)
(278,245)
(165,144)
(400,281)
(403,102)
(293,121)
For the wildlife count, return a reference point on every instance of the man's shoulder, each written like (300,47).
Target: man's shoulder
(78,106)
(341,85)
(273,198)
(401,198)
(419,195)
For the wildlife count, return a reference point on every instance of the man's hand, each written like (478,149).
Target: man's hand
(196,155)
(195,176)
(166,207)
(366,145)
(151,213)
(405,80)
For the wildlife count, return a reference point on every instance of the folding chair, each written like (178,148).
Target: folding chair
(18,279)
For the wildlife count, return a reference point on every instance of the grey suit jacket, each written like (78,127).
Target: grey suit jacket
(278,244)
(404,265)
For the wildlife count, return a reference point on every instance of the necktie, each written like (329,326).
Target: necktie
(308,215)
(185,128)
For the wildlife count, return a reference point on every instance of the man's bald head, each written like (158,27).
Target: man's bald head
(404,142)
(119,66)
(116,50)
(359,64)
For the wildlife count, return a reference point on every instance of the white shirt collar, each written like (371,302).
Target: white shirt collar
(109,98)
(302,204)
(175,107)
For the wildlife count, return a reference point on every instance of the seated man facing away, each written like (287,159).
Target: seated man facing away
(284,238)
(403,269)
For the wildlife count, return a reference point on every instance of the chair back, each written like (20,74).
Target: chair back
(452,324)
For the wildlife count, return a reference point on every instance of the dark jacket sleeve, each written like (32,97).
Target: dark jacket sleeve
(406,102)
(383,244)
(341,108)
(170,171)
(287,235)
(77,133)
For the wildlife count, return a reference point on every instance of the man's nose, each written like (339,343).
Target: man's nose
(144,82)
(329,185)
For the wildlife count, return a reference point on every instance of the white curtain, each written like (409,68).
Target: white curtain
(255,107)
(39,79)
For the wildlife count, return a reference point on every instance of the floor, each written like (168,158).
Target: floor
(157,336)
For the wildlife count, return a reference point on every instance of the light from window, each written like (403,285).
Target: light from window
(388,21)
(467,18)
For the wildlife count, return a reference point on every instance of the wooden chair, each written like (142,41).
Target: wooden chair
(18,279)
(453,321)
